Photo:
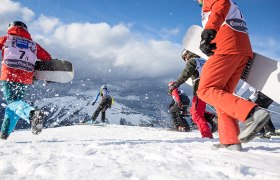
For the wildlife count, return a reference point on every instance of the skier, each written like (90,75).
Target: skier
(106,102)
(193,67)
(225,39)
(19,54)
(263,101)
(178,109)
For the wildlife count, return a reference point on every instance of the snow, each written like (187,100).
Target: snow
(132,152)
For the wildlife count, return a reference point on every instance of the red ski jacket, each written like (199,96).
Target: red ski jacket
(225,17)
(19,54)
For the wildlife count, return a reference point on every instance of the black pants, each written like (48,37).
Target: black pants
(105,103)
(264,102)
(179,117)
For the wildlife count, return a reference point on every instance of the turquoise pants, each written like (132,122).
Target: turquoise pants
(16,107)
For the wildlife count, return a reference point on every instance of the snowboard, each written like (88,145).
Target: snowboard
(262,73)
(54,71)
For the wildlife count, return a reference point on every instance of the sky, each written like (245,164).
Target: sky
(119,152)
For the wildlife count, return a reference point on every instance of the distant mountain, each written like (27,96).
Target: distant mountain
(73,109)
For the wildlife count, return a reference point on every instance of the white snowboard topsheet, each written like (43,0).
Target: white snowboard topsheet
(264,74)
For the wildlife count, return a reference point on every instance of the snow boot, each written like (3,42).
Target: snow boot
(269,134)
(254,124)
(37,119)
(214,124)
(232,147)
(4,136)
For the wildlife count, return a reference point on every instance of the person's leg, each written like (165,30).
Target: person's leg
(212,120)
(183,123)
(218,81)
(220,74)
(96,112)
(174,111)
(228,128)
(14,93)
(197,113)
(107,105)
(103,114)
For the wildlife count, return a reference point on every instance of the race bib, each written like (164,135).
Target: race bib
(20,53)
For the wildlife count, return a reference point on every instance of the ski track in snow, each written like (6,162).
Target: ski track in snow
(131,152)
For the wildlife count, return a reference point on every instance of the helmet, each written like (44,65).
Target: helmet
(103,87)
(19,24)
(186,54)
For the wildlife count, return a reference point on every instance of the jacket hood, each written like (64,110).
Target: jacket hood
(18,31)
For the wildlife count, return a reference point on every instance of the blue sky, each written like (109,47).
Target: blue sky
(151,15)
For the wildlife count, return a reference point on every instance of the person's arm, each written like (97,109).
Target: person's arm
(245,86)
(187,72)
(219,10)
(2,41)
(176,96)
(96,98)
(215,13)
(42,54)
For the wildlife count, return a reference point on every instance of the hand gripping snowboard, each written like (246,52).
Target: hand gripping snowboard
(262,72)
(55,71)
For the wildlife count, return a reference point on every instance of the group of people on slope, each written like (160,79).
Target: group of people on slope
(19,54)
(198,108)
(225,41)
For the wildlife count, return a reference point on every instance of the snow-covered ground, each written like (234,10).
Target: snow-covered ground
(131,152)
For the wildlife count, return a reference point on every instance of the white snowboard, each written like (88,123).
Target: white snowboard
(263,73)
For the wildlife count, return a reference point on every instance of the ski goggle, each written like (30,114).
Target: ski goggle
(200,3)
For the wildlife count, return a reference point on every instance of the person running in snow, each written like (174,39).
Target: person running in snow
(106,102)
(178,109)
(263,101)
(225,39)
(193,67)
(19,54)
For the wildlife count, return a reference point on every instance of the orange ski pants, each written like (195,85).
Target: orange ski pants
(219,78)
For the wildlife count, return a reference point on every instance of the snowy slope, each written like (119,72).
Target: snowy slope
(131,152)
(68,110)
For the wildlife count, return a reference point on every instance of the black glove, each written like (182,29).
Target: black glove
(172,87)
(180,105)
(206,46)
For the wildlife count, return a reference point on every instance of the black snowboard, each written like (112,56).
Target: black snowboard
(55,71)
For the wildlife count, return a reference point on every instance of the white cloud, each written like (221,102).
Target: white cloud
(45,24)
(10,11)
(99,48)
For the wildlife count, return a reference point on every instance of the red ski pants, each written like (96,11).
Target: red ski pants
(219,78)
(197,112)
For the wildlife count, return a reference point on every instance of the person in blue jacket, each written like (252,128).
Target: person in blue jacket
(106,102)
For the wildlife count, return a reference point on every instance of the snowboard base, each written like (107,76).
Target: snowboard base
(54,71)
